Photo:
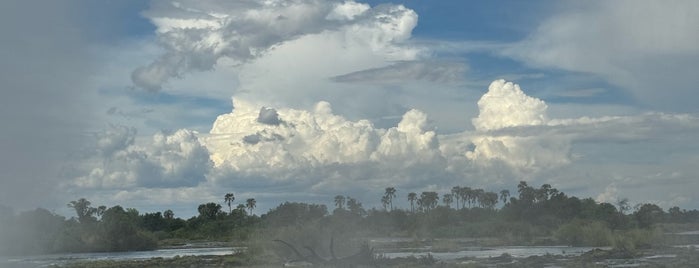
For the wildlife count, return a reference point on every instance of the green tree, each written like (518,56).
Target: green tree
(390,194)
(648,214)
(83,210)
(250,204)
(168,214)
(412,197)
(355,206)
(623,205)
(447,199)
(229,198)
(153,221)
(527,194)
(339,201)
(489,200)
(120,232)
(542,194)
(209,211)
(294,214)
(504,196)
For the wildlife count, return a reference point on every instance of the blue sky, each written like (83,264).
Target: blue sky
(149,104)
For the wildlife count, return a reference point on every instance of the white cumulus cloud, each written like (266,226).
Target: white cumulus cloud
(168,160)
(506,106)
(196,35)
(309,139)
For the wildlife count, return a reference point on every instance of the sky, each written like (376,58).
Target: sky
(165,104)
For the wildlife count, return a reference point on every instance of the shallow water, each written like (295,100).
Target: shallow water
(58,259)
(456,248)
(518,252)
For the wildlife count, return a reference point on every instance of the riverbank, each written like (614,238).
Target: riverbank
(659,257)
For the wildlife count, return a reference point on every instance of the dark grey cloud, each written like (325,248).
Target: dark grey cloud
(268,116)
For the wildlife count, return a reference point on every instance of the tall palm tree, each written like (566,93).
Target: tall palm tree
(390,194)
(339,201)
(228,198)
(384,202)
(412,197)
(428,200)
(465,194)
(250,204)
(478,196)
(455,192)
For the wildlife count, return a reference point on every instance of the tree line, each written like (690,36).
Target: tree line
(519,218)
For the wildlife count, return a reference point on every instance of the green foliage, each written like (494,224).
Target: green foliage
(633,239)
(584,233)
(648,214)
(292,213)
(209,211)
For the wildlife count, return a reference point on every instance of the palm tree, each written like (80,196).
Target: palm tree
(478,195)
(429,200)
(504,196)
(228,198)
(250,204)
(384,202)
(455,193)
(390,194)
(465,194)
(412,197)
(339,201)
(447,199)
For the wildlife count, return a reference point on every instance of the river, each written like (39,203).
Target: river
(385,247)
(58,259)
(478,252)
